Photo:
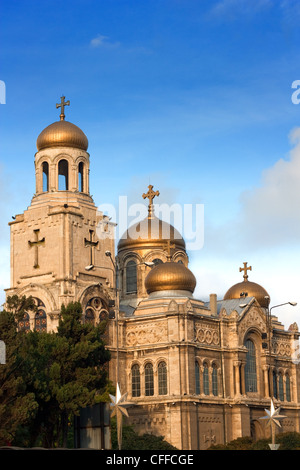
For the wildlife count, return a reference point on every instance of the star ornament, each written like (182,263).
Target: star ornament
(119,403)
(273,415)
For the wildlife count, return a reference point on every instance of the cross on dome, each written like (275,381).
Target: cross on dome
(245,269)
(62,105)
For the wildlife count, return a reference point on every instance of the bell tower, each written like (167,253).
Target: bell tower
(56,238)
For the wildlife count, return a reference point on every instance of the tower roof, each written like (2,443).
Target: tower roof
(62,133)
(170,276)
(248,289)
(150,232)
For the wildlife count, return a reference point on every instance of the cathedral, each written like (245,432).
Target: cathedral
(198,373)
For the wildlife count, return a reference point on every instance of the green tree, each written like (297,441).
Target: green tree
(17,404)
(133,441)
(66,373)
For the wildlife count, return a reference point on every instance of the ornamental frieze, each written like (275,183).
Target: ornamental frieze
(142,334)
(282,347)
(207,334)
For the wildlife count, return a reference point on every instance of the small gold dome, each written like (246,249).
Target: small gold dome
(170,276)
(149,233)
(62,134)
(248,289)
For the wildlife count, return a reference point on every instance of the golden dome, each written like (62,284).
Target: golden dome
(62,134)
(248,289)
(170,276)
(149,233)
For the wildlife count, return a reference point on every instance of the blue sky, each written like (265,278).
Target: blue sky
(191,96)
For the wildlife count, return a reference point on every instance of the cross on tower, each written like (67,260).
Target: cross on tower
(245,269)
(167,246)
(150,195)
(62,105)
(36,244)
(90,243)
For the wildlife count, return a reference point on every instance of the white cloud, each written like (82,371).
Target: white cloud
(270,213)
(233,9)
(102,41)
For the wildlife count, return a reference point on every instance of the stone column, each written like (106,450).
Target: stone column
(236,366)
(243,378)
(266,381)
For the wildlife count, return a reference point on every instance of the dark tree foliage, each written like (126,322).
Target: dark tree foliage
(57,374)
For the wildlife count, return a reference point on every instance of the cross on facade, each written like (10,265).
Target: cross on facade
(36,243)
(62,105)
(90,243)
(167,246)
(245,269)
(150,195)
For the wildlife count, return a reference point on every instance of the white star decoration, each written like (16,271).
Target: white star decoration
(119,405)
(273,418)
(273,415)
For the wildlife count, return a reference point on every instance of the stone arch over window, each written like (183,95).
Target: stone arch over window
(135,381)
(63,175)
(162,375)
(250,367)
(95,311)
(45,176)
(131,277)
(149,379)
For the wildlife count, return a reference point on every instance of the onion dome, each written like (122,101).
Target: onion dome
(151,232)
(170,276)
(248,289)
(62,133)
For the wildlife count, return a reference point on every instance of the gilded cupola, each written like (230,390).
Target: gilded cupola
(248,289)
(62,133)
(170,276)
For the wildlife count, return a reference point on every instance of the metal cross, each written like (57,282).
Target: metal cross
(245,269)
(62,105)
(90,243)
(150,195)
(168,245)
(36,244)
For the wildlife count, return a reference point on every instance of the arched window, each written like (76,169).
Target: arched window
(45,168)
(80,177)
(197,378)
(287,387)
(89,316)
(157,261)
(250,367)
(63,175)
(162,378)
(280,388)
(215,380)
(149,382)
(40,320)
(275,391)
(135,381)
(24,324)
(131,277)
(205,379)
